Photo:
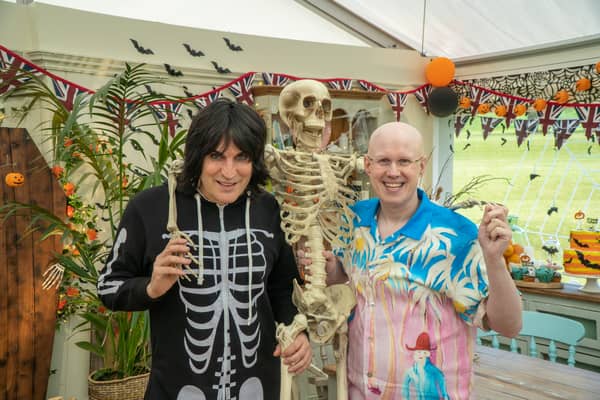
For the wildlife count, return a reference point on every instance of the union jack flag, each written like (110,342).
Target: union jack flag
(397,101)
(129,115)
(459,123)
(13,71)
(525,127)
(590,119)
(169,114)
(66,92)
(273,79)
(206,99)
(369,87)
(549,116)
(510,104)
(422,95)
(563,129)
(479,96)
(241,89)
(340,84)
(488,124)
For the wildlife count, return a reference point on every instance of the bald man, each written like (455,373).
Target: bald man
(419,270)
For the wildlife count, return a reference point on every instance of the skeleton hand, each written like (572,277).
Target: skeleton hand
(271,155)
(164,271)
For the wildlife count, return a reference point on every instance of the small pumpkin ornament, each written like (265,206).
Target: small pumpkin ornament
(464,103)
(500,110)
(583,84)
(579,215)
(539,105)
(520,109)
(14,179)
(561,97)
(483,108)
(598,67)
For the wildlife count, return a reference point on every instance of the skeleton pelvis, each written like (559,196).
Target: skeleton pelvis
(326,311)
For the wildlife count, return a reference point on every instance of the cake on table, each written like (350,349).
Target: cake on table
(583,256)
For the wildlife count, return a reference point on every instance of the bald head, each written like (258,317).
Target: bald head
(399,133)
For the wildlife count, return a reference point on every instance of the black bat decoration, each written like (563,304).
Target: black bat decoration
(150,90)
(533,176)
(232,46)
(105,219)
(503,141)
(451,149)
(187,92)
(172,71)
(585,262)
(193,53)
(578,243)
(552,209)
(528,146)
(190,113)
(99,205)
(569,261)
(139,48)
(550,250)
(466,146)
(468,134)
(220,69)
(589,150)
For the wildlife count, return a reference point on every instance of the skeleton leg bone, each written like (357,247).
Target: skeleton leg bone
(286,335)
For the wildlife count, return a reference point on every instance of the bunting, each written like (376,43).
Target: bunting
(549,116)
(590,119)
(370,87)
(488,124)
(169,114)
(479,96)
(422,95)
(460,120)
(340,84)
(397,101)
(510,103)
(206,99)
(525,127)
(13,71)
(563,129)
(241,89)
(273,79)
(66,92)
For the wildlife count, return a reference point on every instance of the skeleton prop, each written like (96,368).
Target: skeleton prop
(314,196)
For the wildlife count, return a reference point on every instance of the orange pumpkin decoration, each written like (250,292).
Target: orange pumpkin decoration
(464,102)
(520,109)
(583,84)
(525,258)
(579,215)
(500,110)
(598,67)
(539,105)
(483,108)
(440,72)
(562,96)
(14,179)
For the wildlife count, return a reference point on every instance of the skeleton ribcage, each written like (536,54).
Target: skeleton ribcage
(222,301)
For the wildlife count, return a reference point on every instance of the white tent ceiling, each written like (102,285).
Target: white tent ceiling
(458,29)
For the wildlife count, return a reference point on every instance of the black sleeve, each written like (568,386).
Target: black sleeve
(279,285)
(123,280)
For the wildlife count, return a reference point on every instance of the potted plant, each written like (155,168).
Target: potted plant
(100,157)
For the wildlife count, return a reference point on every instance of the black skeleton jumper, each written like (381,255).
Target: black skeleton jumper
(215,340)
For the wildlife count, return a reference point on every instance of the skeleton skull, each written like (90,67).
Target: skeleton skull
(305,106)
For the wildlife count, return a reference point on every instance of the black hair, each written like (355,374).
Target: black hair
(225,120)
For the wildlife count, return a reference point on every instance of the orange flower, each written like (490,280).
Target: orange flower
(102,309)
(74,251)
(68,142)
(61,304)
(70,211)
(57,171)
(69,188)
(72,291)
(125,182)
(92,234)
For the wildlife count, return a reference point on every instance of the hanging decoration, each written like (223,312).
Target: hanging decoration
(442,101)
(549,93)
(439,72)
(488,124)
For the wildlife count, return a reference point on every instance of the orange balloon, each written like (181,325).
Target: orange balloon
(439,72)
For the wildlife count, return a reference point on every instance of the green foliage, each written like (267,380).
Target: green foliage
(107,148)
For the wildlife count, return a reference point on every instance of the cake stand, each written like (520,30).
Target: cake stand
(591,284)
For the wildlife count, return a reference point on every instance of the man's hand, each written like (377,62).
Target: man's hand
(494,231)
(298,355)
(165,271)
